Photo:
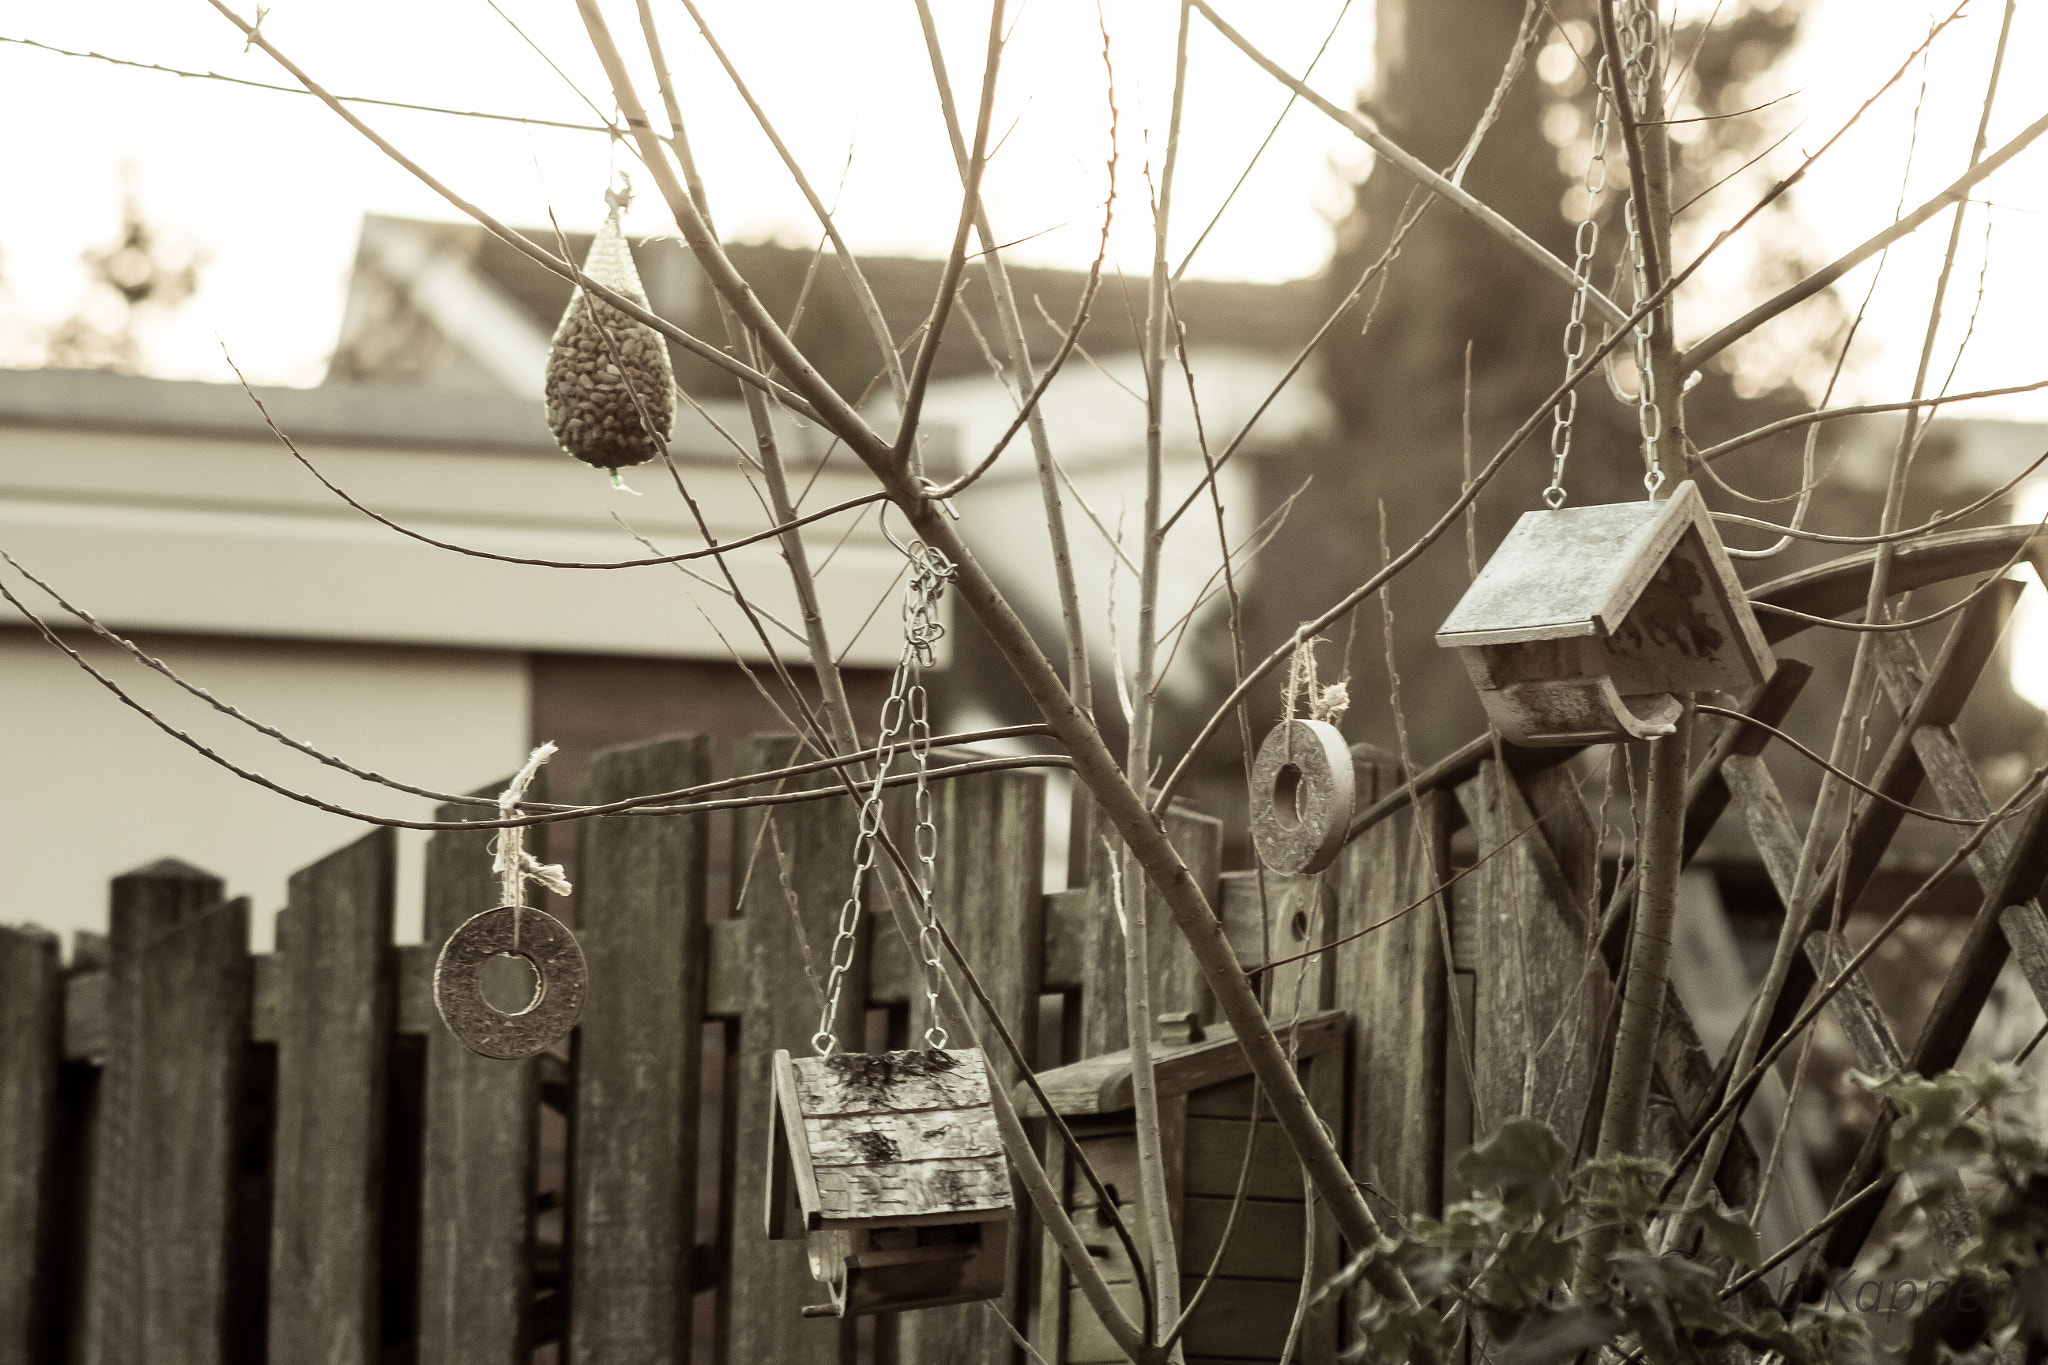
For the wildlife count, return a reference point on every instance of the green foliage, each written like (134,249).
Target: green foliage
(1503,1259)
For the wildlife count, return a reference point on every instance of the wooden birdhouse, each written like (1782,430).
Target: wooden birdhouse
(891,1165)
(1589,623)
(1205,1110)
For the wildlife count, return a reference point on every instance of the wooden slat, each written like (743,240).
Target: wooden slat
(144,905)
(632,1212)
(990,896)
(479,1143)
(1065,935)
(337,998)
(31,1044)
(1176,979)
(195,1001)
(1542,1002)
(1394,982)
(767,1283)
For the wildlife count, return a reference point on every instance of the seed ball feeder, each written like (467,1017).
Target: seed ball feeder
(1589,624)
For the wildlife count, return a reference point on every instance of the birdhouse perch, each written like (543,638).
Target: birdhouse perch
(1590,623)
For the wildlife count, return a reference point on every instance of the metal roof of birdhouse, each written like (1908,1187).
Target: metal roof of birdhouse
(1584,607)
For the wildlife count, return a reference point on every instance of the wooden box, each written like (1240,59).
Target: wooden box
(1589,623)
(1205,1102)
(891,1165)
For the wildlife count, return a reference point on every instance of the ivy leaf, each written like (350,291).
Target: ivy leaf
(1549,1335)
(1729,1234)
(1520,1161)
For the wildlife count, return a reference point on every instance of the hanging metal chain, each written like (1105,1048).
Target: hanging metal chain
(906,712)
(1638,29)
(1586,241)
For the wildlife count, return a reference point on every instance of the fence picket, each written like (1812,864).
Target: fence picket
(31,1047)
(336,1001)
(143,906)
(195,1005)
(479,1144)
(638,1057)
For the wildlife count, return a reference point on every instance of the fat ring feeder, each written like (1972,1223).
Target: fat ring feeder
(1303,792)
(559,981)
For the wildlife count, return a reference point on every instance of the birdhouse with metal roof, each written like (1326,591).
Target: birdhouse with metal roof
(1589,624)
(1234,1191)
(891,1166)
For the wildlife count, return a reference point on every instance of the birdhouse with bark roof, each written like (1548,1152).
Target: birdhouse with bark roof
(891,1166)
(1234,1192)
(1590,624)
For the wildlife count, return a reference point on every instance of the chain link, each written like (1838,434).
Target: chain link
(906,712)
(1638,28)
(1584,242)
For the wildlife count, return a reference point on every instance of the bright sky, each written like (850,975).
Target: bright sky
(272,187)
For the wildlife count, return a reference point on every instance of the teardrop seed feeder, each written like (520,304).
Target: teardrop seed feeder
(1590,623)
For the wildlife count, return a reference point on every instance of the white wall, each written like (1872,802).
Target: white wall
(89,789)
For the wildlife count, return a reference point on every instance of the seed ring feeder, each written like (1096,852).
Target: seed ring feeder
(1303,793)
(559,981)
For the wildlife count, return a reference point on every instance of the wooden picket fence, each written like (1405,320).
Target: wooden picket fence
(212,1156)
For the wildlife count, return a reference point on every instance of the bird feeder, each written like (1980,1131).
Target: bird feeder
(1589,624)
(1303,792)
(1205,1119)
(890,1164)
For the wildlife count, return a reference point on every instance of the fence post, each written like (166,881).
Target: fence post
(336,1012)
(792,867)
(479,1144)
(143,906)
(989,895)
(632,1213)
(31,1046)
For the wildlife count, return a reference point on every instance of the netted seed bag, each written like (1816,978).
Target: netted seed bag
(610,389)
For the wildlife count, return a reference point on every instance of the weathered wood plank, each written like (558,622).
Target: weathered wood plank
(725,968)
(1543,993)
(1066,937)
(913,1190)
(144,905)
(633,1178)
(1102,1085)
(888,1083)
(196,991)
(337,1000)
(31,1044)
(479,1144)
(1394,980)
(908,1137)
(990,896)
(1176,979)
(801,860)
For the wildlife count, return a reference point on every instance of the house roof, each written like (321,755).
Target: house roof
(382,338)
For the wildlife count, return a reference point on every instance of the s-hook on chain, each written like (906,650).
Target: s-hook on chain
(906,712)
(1585,242)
